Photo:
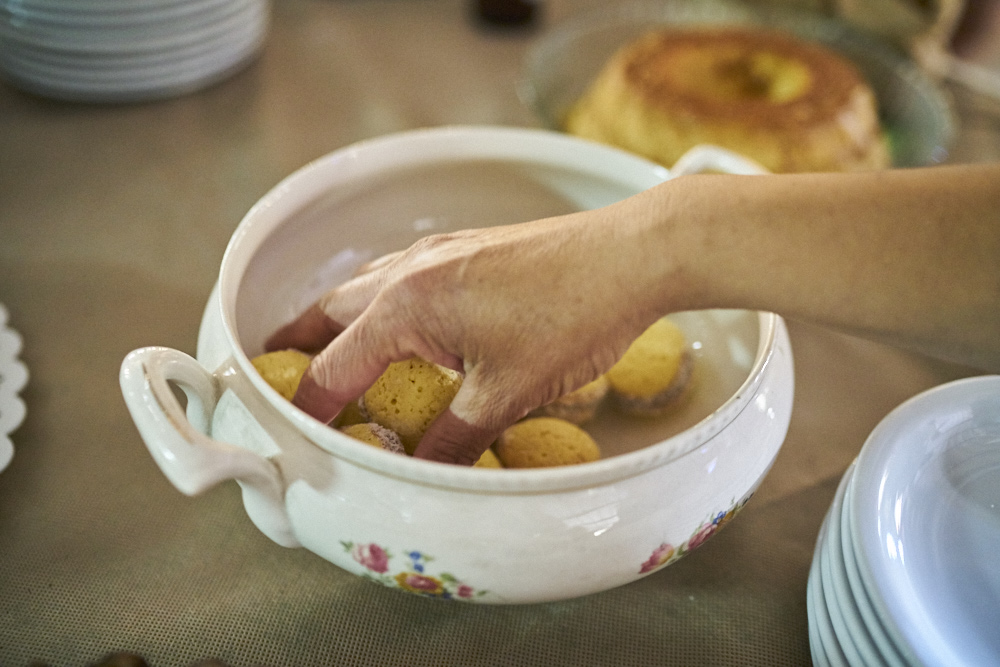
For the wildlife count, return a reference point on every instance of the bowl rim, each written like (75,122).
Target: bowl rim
(733,12)
(426,146)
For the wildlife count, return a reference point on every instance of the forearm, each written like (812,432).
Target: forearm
(911,257)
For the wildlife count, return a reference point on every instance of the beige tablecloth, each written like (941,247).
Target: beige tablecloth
(113,221)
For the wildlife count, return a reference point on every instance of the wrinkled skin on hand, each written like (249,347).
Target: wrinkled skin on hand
(525,312)
(529,312)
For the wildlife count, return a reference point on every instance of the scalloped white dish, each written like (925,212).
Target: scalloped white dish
(13,378)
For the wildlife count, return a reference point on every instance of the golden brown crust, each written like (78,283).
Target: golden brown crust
(651,69)
(663,402)
(789,104)
(654,373)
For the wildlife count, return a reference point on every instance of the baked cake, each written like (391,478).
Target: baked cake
(789,104)
(578,406)
(282,369)
(543,442)
(376,436)
(488,460)
(410,395)
(653,373)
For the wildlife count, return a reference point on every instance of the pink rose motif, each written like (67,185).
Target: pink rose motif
(660,555)
(371,556)
(419,583)
(702,535)
(464,591)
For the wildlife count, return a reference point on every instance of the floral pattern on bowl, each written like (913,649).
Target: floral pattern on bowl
(412,577)
(666,553)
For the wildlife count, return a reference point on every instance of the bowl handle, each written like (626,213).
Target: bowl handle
(191,460)
(706,157)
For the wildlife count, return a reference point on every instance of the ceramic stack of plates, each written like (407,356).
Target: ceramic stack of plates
(906,568)
(126,50)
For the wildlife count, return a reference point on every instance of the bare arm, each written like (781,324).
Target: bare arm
(909,257)
(531,311)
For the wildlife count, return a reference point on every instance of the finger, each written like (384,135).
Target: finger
(328,317)
(327,386)
(317,401)
(312,330)
(445,359)
(451,439)
(342,371)
(478,414)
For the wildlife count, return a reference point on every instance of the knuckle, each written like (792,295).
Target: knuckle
(321,372)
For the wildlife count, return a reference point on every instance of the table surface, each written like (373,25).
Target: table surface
(113,221)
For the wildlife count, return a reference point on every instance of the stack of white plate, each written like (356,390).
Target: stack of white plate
(906,569)
(126,50)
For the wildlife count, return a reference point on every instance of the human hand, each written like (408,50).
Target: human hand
(526,312)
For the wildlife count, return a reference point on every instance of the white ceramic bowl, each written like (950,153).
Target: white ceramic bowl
(916,115)
(499,536)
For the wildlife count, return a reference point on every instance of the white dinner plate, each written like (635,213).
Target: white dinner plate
(925,517)
(825,648)
(81,6)
(816,648)
(853,652)
(122,76)
(850,625)
(161,38)
(126,89)
(887,647)
(830,647)
(126,69)
(73,15)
